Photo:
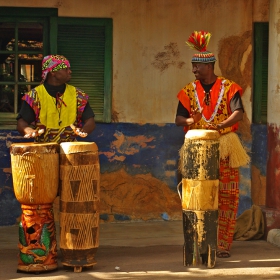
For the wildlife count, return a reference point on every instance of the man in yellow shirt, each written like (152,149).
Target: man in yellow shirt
(55,111)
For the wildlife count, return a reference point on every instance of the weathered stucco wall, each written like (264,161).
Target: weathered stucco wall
(259,131)
(151,63)
(138,173)
(138,165)
(273,117)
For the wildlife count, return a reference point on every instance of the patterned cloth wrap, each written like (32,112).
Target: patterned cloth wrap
(52,63)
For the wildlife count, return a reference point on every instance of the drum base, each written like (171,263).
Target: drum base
(37,239)
(200,235)
(79,268)
(36,268)
(78,258)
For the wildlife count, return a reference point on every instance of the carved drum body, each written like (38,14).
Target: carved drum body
(79,203)
(200,185)
(35,172)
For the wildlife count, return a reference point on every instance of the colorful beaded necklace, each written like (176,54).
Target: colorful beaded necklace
(221,94)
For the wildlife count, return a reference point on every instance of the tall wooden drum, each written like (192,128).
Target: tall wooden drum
(200,185)
(35,172)
(79,204)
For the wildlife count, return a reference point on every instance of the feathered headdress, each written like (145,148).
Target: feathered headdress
(199,41)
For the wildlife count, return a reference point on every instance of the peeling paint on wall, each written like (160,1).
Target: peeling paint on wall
(139,173)
(169,57)
(261,10)
(259,190)
(235,54)
(115,116)
(126,145)
(139,197)
(273,168)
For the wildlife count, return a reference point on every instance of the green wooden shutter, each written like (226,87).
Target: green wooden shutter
(87,43)
(261,32)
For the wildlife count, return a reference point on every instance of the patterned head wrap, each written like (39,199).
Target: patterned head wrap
(199,41)
(52,63)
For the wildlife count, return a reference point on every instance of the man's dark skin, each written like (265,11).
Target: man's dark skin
(56,78)
(204,72)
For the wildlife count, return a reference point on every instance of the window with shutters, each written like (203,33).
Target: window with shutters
(87,43)
(260,72)
(25,40)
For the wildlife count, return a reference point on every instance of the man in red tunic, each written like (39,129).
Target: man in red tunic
(212,102)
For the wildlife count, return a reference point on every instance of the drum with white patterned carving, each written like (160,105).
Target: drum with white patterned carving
(79,203)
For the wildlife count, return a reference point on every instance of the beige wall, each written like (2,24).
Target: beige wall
(273,99)
(151,61)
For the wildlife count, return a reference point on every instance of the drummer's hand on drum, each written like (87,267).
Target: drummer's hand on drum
(211,126)
(32,133)
(196,114)
(79,131)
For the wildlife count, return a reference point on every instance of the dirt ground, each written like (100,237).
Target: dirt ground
(149,251)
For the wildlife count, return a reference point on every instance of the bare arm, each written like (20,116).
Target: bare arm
(89,125)
(235,117)
(182,121)
(24,129)
(195,117)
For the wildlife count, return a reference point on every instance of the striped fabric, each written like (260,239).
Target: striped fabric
(228,204)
